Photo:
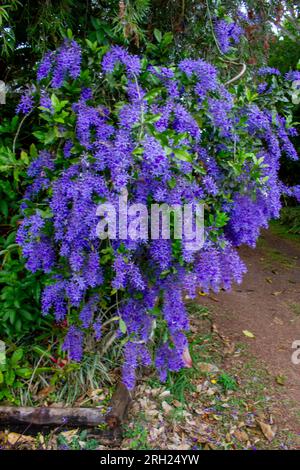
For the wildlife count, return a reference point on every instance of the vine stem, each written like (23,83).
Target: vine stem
(18,132)
(212,28)
(238,76)
(244,67)
(142,108)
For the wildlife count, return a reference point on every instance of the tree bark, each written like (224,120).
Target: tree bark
(118,406)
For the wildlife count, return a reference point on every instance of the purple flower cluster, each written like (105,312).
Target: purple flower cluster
(73,343)
(62,64)
(227,34)
(268,71)
(45,66)
(247,217)
(189,142)
(295,191)
(293,75)
(26,104)
(205,74)
(118,55)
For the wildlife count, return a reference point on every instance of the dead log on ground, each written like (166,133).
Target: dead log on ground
(48,416)
(70,417)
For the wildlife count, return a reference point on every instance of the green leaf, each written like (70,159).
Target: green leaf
(122,326)
(183,155)
(12,316)
(24,157)
(16,357)
(40,135)
(167,39)
(157,35)
(24,372)
(33,151)
(10,377)
(4,208)
(54,100)
(153,93)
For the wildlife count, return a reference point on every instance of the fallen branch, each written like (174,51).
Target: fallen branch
(48,416)
(82,417)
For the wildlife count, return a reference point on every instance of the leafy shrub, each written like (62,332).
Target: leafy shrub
(20,289)
(107,120)
(12,371)
(290,217)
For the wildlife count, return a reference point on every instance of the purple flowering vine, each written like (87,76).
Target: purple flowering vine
(170,135)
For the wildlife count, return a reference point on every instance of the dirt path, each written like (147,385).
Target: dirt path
(268,305)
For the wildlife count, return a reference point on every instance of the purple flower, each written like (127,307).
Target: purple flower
(220,116)
(247,218)
(134,354)
(127,273)
(86,94)
(53,297)
(210,185)
(97,326)
(161,253)
(117,55)
(88,310)
(262,88)
(45,101)
(227,34)
(295,190)
(156,162)
(73,343)
(67,148)
(268,71)
(205,73)
(67,63)
(45,66)
(292,75)
(26,104)
(184,122)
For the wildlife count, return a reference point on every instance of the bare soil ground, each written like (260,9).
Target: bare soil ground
(244,390)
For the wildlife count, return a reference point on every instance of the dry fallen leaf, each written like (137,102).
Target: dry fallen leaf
(46,391)
(207,368)
(213,298)
(268,431)
(15,438)
(278,321)
(248,334)
(165,393)
(241,435)
(229,348)
(166,407)
(68,435)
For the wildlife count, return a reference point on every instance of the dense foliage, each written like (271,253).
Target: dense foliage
(170,131)
(107,120)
